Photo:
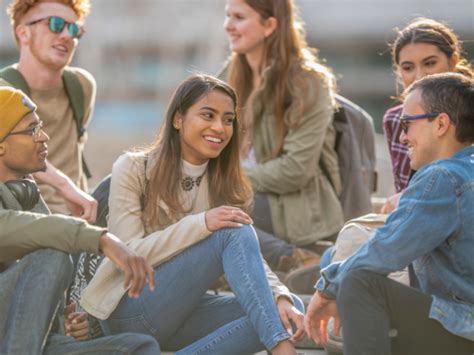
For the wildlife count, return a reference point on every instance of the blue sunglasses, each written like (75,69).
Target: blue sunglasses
(405,119)
(56,25)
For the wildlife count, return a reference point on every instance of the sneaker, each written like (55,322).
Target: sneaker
(302,280)
(299,258)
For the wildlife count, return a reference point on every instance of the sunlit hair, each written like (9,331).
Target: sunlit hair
(18,8)
(284,48)
(425,30)
(227,183)
(450,93)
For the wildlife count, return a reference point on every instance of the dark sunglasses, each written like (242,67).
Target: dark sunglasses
(405,119)
(34,132)
(57,24)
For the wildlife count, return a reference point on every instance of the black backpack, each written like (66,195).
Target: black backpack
(355,148)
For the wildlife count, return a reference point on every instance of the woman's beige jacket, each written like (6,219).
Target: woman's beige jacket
(106,289)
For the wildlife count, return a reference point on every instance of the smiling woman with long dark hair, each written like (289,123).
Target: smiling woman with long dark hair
(184,205)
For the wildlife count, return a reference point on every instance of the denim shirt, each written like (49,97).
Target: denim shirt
(433,228)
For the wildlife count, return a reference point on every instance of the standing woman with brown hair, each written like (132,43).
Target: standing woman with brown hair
(184,205)
(423,47)
(288,101)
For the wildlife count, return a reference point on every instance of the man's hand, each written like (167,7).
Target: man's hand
(77,201)
(320,310)
(137,271)
(76,323)
(290,314)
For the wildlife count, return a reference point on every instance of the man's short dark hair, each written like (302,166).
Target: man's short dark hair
(452,94)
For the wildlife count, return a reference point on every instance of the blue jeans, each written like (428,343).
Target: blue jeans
(122,344)
(179,313)
(31,291)
(30,294)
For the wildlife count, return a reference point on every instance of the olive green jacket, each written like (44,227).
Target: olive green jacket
(302,183)
(24,232)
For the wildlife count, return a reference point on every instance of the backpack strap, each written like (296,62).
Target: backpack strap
(339,121)
(14,77)
(75,93)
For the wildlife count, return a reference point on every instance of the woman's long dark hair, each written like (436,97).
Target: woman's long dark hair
(227,183)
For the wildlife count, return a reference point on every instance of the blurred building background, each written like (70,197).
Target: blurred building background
(140,50)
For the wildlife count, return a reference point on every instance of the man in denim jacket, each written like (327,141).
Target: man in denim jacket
(432,229)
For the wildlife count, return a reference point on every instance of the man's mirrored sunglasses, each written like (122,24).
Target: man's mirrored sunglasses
(405,119)
(57,24)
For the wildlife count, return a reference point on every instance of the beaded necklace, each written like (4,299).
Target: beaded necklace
(188,183)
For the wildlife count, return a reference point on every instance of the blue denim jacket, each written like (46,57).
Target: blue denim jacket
(433,228)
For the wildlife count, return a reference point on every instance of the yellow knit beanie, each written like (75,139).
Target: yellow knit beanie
(14,105)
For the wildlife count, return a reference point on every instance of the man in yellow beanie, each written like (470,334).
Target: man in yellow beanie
(35,268)
(22,142)
(13,106)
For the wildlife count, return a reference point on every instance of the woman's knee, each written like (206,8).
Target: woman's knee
(245,234)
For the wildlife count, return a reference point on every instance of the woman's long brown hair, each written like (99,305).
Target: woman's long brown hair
(227,183)
(283,48)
